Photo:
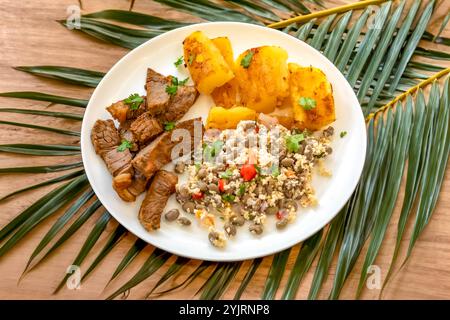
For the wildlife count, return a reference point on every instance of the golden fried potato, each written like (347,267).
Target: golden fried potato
(284,113)
(221,118)
(311,97)
(263,74)
(227,95)
(205,63)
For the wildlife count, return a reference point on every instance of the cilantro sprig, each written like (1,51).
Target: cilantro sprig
(179,62)
(228,197)
(212,150)
(134,101)
(125,145)
(307,103)
(247,59)
(175,83)
(293,142)
(168,126)
(227,174)
(343,134)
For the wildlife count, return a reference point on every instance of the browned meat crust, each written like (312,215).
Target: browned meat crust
(106,139)
(179,104)
(157,97)
(162,186)
(145,127)
(158,153)
(122,112)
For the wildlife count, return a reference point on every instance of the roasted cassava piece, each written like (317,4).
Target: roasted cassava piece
(161,187)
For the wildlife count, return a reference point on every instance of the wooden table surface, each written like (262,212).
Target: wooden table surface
(30,35)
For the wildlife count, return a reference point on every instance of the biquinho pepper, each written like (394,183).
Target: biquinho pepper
(221,185)
(197,196)
(248,172)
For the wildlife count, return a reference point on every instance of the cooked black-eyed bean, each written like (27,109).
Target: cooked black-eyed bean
(230,229)
(328,132)
(236,208)
(202,173)
(183,191)
(202,186)
(271,210)
(172,215)
(184,221)
(181,199)
(288,203)
(245,198)
(237,220)
(179,167)
(287,162)
(214,237)
(282,223)
(329,150)
(188,206)
(219,167)
(212,187)
(255,228)
(288,193)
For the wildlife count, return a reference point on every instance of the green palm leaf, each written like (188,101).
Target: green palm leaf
(248,276)
(40,149)
(275,274)
(39,211)
(78,76)
(113,240)
(150,266)
(305,257)
(64,115)
(37,127)
(39,96)
(132,253)
(88,244)
(42,169)
(59,224)
(43,184)
(219,280)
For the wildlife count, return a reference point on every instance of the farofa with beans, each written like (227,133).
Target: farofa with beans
(249,173)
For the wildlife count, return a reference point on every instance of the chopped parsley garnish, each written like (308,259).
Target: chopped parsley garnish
(228,197)
(307,103)
(241,191)
(343,134)
(212,150)
(293,142)
(173,87)
(245,62)
(227,174)
(191,58)
(168,126)
(179,62)
(275,170)
(134,101)
(125,145)
(197,166)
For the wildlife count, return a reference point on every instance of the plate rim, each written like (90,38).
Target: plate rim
(86,136)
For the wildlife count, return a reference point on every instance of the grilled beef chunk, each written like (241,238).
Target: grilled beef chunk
(162,186)
(106,139)
(129,187)
(158,153)
(122,112)
(145,127)
(126,134)
(179,104)
(157,97)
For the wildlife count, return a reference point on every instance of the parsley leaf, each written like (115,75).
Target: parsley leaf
(134,101)
(191,58)
(293,142)
(241,191)
(168,126)
(227,174)
(125,145)
(228,197)
(275,171)
(212,150)
(175,83)
(343,134)
(307,103)
(247,59)
(179,61)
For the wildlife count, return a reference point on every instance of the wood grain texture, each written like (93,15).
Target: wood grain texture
(30,35)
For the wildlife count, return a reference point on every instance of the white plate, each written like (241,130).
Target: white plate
(128,76)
